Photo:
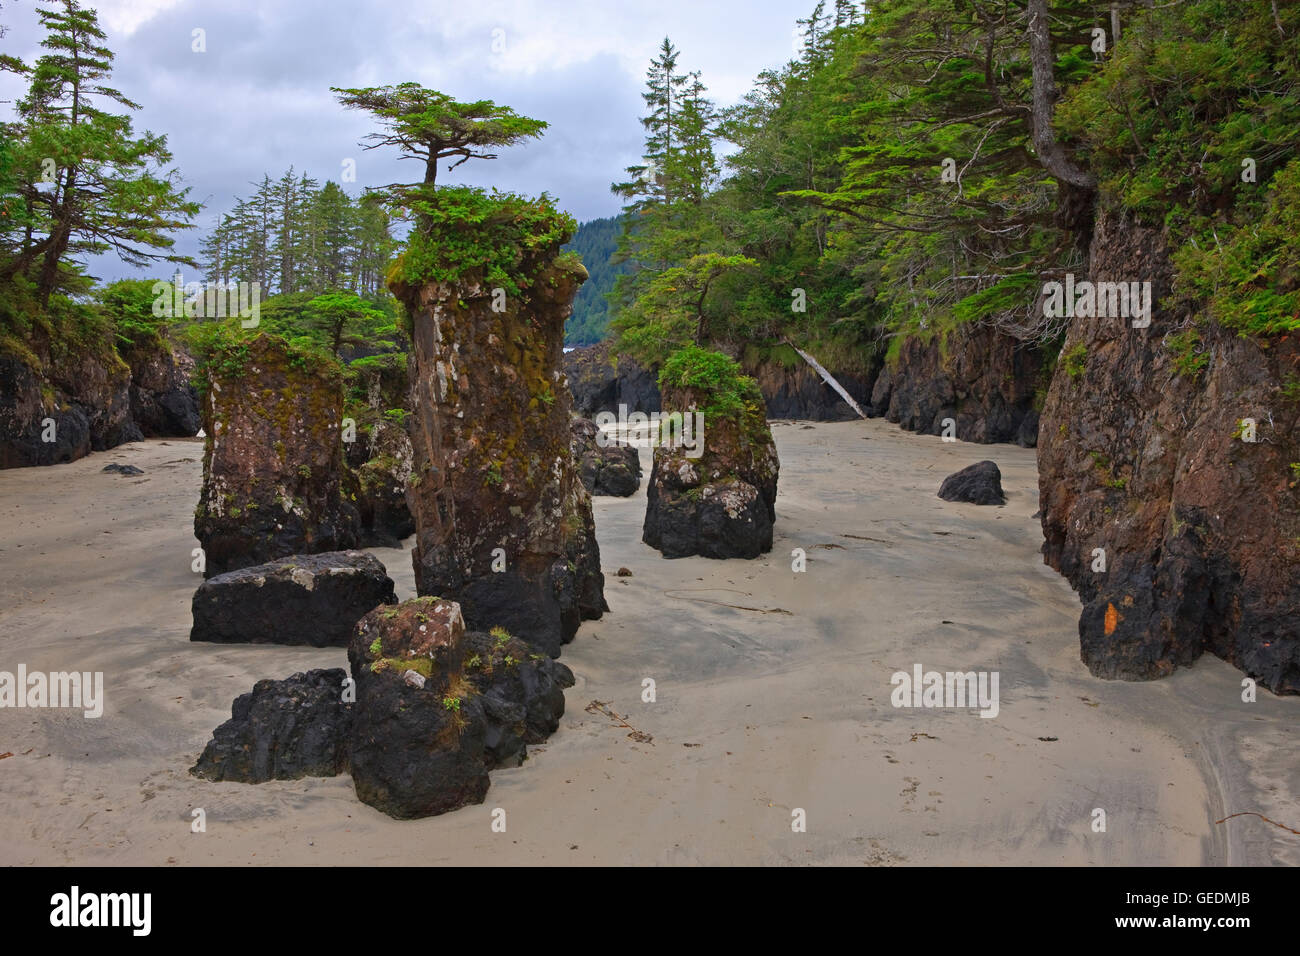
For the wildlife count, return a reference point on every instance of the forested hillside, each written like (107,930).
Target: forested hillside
(597,242)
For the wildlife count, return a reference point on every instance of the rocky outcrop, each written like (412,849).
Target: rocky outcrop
(522,693)
(600,382)
(721,504)
(417,744)
(430,709)
(60,409)
(1179,536)
(313,599)
(503,523)
(610,469)
(796,391)
(273,459)
(283,730)
(164,402)
(977,484)
(987,382)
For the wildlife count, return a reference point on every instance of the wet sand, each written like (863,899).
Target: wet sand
(773,694)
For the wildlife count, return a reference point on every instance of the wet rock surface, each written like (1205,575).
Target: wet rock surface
(272,462)
(977,484)
(313,599)
(610,469)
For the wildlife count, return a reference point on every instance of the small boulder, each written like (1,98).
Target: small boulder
(313,599)
(283,730)
(610,469)
(977,484)
(122,469)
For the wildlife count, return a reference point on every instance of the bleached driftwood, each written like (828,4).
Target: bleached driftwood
(828,378)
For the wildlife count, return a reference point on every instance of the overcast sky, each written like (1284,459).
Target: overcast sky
(258,100)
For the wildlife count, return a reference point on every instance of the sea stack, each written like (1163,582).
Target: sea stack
(503,523)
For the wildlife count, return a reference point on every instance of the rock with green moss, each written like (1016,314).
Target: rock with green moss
(712,488)
(273,456)
(503,523)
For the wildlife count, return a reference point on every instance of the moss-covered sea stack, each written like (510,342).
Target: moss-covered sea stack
(273,458)
(503,523)
(718,498)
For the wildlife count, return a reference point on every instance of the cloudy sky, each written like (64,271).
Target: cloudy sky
(257,100)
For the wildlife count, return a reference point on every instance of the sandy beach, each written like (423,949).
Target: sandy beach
(772,694)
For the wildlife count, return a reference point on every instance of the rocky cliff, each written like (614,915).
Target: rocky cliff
(61,407)
(987,382)
(1180,535)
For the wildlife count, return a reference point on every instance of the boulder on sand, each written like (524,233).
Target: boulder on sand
(977,484)
(432,708)
(611,469)
(283,730)
(313,599)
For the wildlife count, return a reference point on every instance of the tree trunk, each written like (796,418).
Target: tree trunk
(1051,154)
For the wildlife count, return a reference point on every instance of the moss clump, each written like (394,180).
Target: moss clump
(502,238)
(732,395)
(1075,361)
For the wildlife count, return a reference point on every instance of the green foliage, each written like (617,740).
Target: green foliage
(1185,347)
(501,238)
(730,393)
(596,242)
(1197,97)
(677,308)
(1075,361)
(109,190)
(129,305)
(429,125)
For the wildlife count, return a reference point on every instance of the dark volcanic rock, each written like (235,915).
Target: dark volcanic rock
(418,731)
(721,504)
(522,693)
(313,599)
(123,469)
(272,461)
(164,403)
(283,730)
(503,523)
(610,469)
(984,380)
(977,484)
(600,382)
(435,708)
(1197,526)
